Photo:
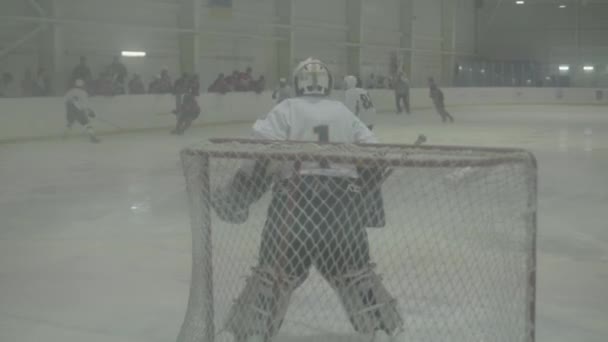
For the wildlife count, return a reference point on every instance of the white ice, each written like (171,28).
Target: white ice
(95,239)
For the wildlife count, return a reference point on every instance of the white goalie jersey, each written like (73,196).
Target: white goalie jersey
(315,119)
(360,103)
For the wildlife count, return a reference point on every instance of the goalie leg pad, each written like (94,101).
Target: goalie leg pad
(367,302)
(262,306)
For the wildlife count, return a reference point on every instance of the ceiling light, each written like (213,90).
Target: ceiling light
(520,2)
(589,68)
(562,6)
(564,67)
(133,54)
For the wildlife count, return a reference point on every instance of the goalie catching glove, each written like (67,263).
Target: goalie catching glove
(232,202)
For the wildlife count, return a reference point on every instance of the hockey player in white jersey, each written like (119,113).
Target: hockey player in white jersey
(314,219)
(359,101)
(78,110)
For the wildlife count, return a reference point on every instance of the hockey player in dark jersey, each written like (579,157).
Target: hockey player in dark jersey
(438,100)
(189,110)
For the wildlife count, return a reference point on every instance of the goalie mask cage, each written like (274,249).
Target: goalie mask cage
(457,252)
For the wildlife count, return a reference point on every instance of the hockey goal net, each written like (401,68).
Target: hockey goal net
(447,252)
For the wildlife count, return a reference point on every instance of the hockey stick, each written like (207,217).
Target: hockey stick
(108,123)
(419,142)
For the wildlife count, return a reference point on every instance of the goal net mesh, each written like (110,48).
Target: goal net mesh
(331,242)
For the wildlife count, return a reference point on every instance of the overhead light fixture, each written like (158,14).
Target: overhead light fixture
(133,54)
(564,67)
(520,2)
(562,6)
(589,68)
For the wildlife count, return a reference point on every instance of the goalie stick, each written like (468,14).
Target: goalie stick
(372,179)
(422,139)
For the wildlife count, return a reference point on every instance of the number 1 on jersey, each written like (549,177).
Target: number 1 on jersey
(323,133)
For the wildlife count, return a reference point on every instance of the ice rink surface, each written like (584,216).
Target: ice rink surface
(95,239)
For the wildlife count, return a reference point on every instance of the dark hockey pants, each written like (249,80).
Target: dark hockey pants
(440,107)
(73,114)
(315,221)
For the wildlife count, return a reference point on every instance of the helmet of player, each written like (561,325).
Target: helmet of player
(312,78)
(350,82)
(79,83)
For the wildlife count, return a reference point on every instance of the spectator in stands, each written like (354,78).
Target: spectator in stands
(8,86)
(195,85)
(118,76)
(259,85)
(381,82)
(182,83)
(82,72)
(180,88)
(246,81)
(232,80)
(371,82)
(136,85)
(165,85)
(118,88)
(42,83)
(27,84)
(154,86)
(104,86)
(118,71)
(219,85)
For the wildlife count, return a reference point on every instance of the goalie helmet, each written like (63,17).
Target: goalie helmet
(312,78)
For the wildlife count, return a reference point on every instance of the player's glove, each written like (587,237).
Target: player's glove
(232,202)
(228,208)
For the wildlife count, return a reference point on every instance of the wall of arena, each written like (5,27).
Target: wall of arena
(23,119)
(438,31)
